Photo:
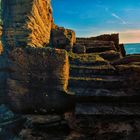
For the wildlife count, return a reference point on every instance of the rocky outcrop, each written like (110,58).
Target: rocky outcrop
(38,77)
(62,38)
(79,49)
(26,22)
(106,104)
(106,85)
(122,50)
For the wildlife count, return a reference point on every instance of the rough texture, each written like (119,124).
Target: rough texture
(62,38)
(106,85)
(101,39)
(36,75)
(105,37)
(122,50)
(79,49)
(26,22)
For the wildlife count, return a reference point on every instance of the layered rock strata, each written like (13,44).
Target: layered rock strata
(26,22)
(106,85)
(108,38)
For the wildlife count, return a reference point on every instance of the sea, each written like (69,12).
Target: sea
(133,48)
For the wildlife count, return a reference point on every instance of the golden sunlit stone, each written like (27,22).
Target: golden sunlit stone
(29,22)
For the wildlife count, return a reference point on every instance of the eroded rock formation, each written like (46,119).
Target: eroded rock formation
(62,38)
(26,22)
(37,76)
(34,80)
(106,86)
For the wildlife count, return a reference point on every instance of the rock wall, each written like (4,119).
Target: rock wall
(26,22)
(37,78)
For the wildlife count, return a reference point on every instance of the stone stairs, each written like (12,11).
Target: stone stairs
(100,89)
(93,46)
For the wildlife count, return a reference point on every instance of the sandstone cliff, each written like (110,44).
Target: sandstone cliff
(26,22)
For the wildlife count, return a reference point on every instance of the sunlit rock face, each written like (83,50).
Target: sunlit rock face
(26,22)
(62,38)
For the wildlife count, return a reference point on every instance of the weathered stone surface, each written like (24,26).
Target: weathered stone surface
(87,60)
(105,37)
(79,49)
(93,46)
(122,50)
(92,71)
(10,124)
(107,94)
(102,43)
(119,109)
(104,128)
(111,55)
(36,79)
(62,38)
(37,75)
(26,22)
(127,60)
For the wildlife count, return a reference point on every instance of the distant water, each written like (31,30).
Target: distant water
(133,48)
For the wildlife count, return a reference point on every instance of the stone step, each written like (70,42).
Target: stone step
(87,59)
(106,95)
(111,55)
(91,49)
(109,83)
(94,47)
(88,63)
(83,71)
(94,42)
(101,109)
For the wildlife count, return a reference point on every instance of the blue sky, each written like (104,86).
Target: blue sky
(95,17)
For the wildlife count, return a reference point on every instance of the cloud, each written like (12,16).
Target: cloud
(119,18)
(112,14)
(130,36)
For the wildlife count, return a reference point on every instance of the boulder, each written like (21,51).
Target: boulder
(79,49)
(62,38)
(111,55)
(38,77)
